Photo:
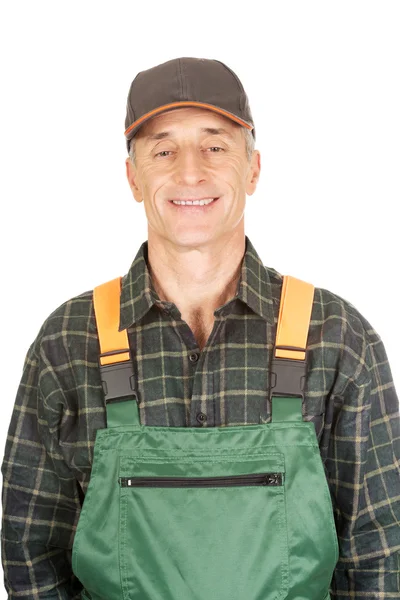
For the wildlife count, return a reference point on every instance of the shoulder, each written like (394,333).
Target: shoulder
(329,306)
(72,321)
(343,336)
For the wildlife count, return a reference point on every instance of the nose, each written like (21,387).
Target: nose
(189,167)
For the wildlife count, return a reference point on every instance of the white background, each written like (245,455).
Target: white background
(324,88)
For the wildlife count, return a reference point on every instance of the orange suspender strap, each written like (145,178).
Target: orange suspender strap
(115,359)
(289,358)
(294,317)
(106,298)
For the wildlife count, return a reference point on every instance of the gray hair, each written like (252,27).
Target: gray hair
(248,136)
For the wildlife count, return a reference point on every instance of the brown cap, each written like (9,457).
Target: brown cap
(200,82)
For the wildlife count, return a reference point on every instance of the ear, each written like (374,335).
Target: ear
(131,174)
(253,173)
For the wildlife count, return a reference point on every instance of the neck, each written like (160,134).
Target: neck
(197,279)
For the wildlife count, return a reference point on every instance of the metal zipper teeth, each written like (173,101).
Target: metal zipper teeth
(269,479)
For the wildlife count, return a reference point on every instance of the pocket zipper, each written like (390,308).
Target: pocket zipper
(229,480)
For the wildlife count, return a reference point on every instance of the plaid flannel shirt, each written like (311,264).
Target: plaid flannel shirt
(349,395)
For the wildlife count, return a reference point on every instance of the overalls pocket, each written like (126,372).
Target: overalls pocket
(210,523)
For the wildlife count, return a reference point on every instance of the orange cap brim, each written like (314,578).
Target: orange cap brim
(165,107)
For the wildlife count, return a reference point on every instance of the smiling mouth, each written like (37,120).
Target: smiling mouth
(200,202)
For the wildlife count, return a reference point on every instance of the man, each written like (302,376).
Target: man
(201,312)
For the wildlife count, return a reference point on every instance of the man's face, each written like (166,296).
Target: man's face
(192,153)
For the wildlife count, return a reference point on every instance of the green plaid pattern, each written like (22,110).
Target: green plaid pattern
(349,396)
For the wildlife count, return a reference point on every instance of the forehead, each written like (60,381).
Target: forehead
(188,117)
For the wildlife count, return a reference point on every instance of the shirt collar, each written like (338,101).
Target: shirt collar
(137,291)
(255,287)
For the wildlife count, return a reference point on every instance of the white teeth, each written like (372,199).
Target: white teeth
(194,202)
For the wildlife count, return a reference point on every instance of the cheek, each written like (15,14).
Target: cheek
(152,180)
(235,173)
(236,166)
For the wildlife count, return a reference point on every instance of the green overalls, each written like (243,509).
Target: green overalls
(217,513)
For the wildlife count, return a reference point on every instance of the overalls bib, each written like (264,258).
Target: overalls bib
(217,513)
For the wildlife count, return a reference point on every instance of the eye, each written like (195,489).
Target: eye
(215,148)
(162,152)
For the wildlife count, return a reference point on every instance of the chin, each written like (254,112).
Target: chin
(193,238)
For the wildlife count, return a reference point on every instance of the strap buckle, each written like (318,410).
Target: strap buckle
(288,375)
(117,378)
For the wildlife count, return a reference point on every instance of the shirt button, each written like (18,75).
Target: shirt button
(201,417)
(194,357)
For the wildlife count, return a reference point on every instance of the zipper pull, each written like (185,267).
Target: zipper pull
(273,479)
(124,481)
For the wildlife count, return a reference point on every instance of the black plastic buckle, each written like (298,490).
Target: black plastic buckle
(117,379)
(288,375)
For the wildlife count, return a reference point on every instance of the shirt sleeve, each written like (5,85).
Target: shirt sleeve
(364,476)
(40,497)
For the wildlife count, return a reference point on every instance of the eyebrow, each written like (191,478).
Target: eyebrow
(210,130)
